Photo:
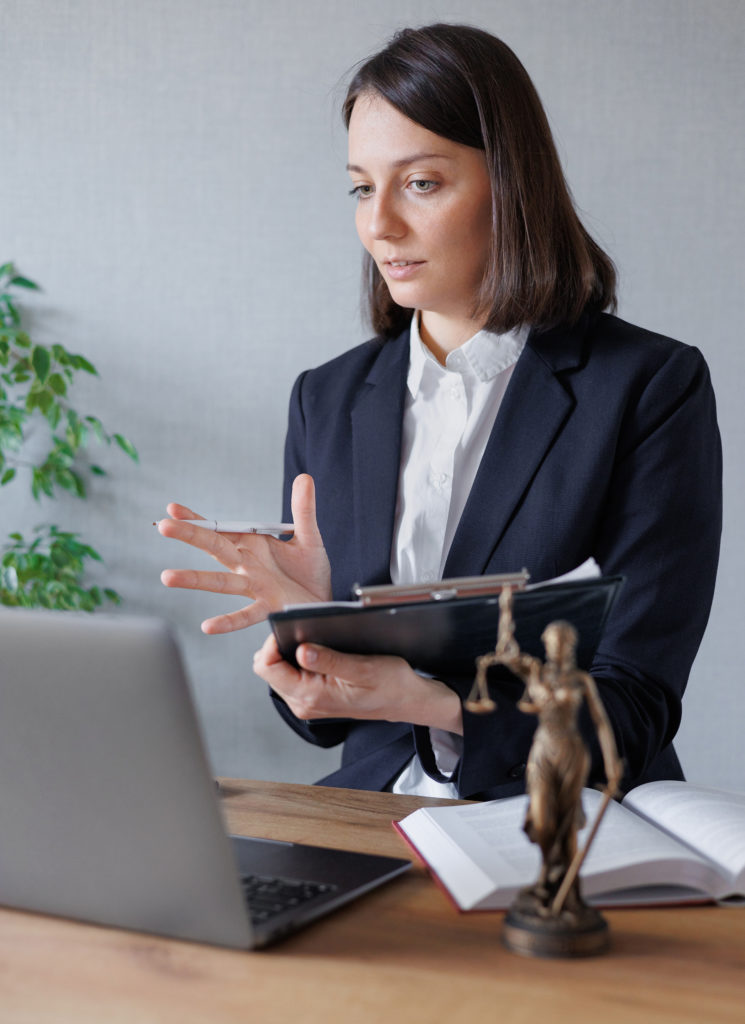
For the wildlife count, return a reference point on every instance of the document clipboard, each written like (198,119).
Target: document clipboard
(445,636)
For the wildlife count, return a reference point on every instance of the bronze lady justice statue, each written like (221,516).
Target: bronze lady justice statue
(550,918)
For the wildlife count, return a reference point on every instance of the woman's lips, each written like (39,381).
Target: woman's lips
(402,270)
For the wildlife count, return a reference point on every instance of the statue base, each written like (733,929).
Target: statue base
(530,930)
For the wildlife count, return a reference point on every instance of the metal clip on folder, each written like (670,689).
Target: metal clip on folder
(442,590)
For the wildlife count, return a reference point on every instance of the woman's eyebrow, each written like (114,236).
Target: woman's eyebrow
(404,160)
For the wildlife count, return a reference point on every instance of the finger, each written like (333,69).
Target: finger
(215,544)
(214,582)
(303,504)
(232,621)
(296,688)
(176,511)
(327,662)
(286,682)
(268,654)
(242,563)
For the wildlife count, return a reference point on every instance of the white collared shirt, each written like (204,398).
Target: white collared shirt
(449,413)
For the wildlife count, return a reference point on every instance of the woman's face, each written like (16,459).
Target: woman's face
(423,213)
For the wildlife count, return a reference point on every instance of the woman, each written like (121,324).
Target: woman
(499,419)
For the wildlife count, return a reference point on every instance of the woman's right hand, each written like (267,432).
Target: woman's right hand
(271,572)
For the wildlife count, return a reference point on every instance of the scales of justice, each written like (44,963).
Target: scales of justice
(550,918)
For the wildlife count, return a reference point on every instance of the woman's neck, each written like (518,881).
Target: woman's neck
(443,335)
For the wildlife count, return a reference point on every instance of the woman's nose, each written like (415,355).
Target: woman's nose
(384,220)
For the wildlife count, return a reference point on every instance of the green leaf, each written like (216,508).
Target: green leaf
(59,556)
(9,312)
(7,477)
(40,482)
(81,363)
(70,481)
(97,427)
(11,433)
(23,282)
(45,402)
(127,447)
(63,454)
(76,433)
(41,361)
(53,415)
(79,485)
(16,335)
(57,384)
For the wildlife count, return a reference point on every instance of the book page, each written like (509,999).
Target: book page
(630,852)
(475,874)
(493,837)
(710,821)
(587,571)
(477,851)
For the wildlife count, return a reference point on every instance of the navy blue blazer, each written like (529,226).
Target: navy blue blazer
(605,445)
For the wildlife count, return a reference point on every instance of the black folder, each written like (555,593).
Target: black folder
(447,636)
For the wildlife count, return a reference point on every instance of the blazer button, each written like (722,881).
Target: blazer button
(517,770)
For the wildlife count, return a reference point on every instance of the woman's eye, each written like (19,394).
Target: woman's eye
(423,185)
(361,191)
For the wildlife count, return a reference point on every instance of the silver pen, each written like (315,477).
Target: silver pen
(238,526)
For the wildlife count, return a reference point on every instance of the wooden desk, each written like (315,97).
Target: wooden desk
(400,954)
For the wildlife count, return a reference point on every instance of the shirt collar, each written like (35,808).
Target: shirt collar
(485,355)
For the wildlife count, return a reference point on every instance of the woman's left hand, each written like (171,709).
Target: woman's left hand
(269,572)
(374,687)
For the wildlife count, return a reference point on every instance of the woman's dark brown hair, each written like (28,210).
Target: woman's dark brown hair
(468,86)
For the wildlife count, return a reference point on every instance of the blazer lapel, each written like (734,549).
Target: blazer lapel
(376,445)
(534,407)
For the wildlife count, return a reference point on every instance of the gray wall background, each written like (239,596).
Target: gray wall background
(172,172)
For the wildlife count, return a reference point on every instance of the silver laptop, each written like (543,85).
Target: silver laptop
(108,810)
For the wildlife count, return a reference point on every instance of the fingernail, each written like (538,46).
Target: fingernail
(310,655)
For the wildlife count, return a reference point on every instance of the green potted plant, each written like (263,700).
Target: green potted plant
(47,568)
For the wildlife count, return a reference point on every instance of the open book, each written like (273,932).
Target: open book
(667,842)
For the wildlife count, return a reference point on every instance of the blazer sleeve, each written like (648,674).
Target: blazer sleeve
(659,526)
(661,530)
(329,732)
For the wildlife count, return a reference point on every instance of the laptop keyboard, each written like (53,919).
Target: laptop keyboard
(267,896)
